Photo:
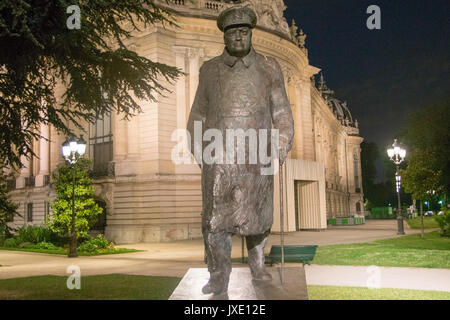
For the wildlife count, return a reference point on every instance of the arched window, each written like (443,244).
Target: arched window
(101,144)
(358,207)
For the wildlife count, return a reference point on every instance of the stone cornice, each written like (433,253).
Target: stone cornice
(154,178)
(289,55)
(269,12)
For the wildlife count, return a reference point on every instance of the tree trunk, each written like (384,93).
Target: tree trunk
(421,217)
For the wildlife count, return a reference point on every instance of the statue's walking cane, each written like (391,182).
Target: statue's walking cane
(280,174)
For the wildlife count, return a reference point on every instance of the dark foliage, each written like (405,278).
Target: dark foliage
(38,53)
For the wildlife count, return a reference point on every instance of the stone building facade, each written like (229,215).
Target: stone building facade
(147,197)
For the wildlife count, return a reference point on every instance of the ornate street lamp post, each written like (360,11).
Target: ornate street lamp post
(72,150)
(397,155)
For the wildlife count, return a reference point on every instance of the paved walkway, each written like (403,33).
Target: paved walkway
(175,258)
(379,277)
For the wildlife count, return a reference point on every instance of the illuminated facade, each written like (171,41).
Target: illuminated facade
(150,199)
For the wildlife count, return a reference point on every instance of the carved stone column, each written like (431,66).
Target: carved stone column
(180,87)
(24,172)
(188,60)
(120,138)
(306,119)
(133,138)
(44,155)
(298,138)
(194,55)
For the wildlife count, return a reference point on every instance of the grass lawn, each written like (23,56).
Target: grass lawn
(357,293)
(113,286)
(428,223)
(132,287)
(63,251)
(407,251)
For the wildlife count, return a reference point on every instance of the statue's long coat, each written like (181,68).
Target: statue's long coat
(240,93)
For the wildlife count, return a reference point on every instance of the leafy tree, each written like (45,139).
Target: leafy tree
(421,179)
(86,210)
(98,71)
(444,222)
(369,155)
(427,137)
(381,193)
(8,209)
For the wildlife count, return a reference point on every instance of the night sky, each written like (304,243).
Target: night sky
(382,74)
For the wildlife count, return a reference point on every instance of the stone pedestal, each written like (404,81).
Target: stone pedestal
(243,287)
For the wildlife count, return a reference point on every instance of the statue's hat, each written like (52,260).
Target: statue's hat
(236,16)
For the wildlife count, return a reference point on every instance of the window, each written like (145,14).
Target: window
(46,210)
(101,144)
(29,212)
(358,207)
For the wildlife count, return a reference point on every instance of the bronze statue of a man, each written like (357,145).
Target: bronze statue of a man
(239,90)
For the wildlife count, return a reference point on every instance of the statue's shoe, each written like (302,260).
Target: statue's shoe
(261,275)
(216,289)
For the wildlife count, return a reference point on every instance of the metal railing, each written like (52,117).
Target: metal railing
(210,5)
(177,2)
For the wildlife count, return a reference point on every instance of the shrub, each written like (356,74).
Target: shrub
(34,234)
(38,234)
(58,239)
(45,245)
(24,244)
(87,247)
(87,209)
(444,223)
(101,242)
(10,243)
(93,244)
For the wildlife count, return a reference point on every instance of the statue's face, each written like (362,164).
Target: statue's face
(238,40)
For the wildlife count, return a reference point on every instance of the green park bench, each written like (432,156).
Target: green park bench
(293,253)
